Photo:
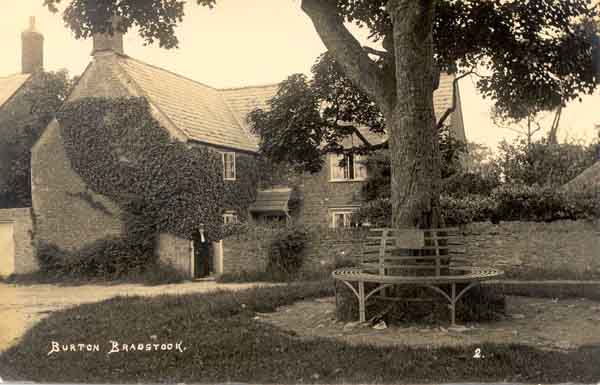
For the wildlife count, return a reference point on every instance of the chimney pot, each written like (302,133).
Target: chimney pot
(32,49)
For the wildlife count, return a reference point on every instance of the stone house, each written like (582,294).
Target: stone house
(69,215)
(16,235)
(330,196)
(15,107)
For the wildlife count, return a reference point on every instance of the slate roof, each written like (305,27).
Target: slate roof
(9,85)
(219,116)
(588,180)
(200,111)
(245,99)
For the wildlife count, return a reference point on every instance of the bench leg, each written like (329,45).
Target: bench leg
(361,302)
(453,306)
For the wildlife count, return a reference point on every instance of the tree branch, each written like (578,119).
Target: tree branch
(450,110)
(376,52)
(348,52)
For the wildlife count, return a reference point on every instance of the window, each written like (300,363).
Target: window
(341,218)
(229,165)
(230,217)
(347,167)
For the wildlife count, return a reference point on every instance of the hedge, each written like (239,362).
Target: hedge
(505,203)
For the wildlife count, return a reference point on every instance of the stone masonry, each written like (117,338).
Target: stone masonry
(24,261)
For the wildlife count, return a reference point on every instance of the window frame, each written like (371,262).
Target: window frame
(234,169)
(347,212)
(334,160)
(230,217)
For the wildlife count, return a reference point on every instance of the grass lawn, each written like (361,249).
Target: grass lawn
(225,343)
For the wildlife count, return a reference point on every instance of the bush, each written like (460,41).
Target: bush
(469,183)
(103,259)
(535,203)
(471,208)
(286,255)
(377,213)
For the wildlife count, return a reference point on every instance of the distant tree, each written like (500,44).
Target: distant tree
(538,53)
(541,162)
(44,95)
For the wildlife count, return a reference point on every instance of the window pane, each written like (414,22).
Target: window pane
(361,167)
(350,166)
(229,165)
(337,172)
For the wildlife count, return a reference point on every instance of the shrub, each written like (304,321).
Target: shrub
(471,208)
(106,259)
(535,203)
(377,213)
(286,255)
(469,183)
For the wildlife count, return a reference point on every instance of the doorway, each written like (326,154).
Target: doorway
(203,258)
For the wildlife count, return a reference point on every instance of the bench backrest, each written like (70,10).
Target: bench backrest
(420,252)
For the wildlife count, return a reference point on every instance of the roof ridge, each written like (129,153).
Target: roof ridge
(265,85)
(171,72)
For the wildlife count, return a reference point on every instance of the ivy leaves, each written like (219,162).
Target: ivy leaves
(121,151)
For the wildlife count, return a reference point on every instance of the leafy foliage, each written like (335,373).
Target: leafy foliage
(286,252)
(161,185)
(42,97)
(541,162)
(308,118)
(470,183)
(505,203)
(537,53)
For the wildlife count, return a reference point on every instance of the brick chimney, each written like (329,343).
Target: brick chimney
(32,49)
(107,42)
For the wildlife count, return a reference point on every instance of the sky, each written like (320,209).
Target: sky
(234,45)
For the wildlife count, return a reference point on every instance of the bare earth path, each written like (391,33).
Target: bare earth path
(539,322)
(22,306)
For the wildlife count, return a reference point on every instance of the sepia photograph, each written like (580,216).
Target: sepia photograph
(300,191)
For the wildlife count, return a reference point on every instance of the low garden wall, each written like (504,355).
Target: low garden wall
(248,252)
(572,246)
(175,251)
(18,256)
(556,246)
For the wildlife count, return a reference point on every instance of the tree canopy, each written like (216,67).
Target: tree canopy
(529,54)
(42,98)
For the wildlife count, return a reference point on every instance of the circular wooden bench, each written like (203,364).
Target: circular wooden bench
(422,258)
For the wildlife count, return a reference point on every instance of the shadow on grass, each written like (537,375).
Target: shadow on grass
(223,342)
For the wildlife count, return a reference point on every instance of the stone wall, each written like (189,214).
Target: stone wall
(325,248)
(556,246)
(572,246)
(67,213)
(24,256)
(318,194)
(176,252)
(14,115)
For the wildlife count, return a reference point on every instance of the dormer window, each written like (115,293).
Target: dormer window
(228,165)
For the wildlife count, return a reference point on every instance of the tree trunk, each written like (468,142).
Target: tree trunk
(414,146)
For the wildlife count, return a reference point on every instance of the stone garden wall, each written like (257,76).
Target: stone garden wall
(176,252)
(555,246)
(23,258)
